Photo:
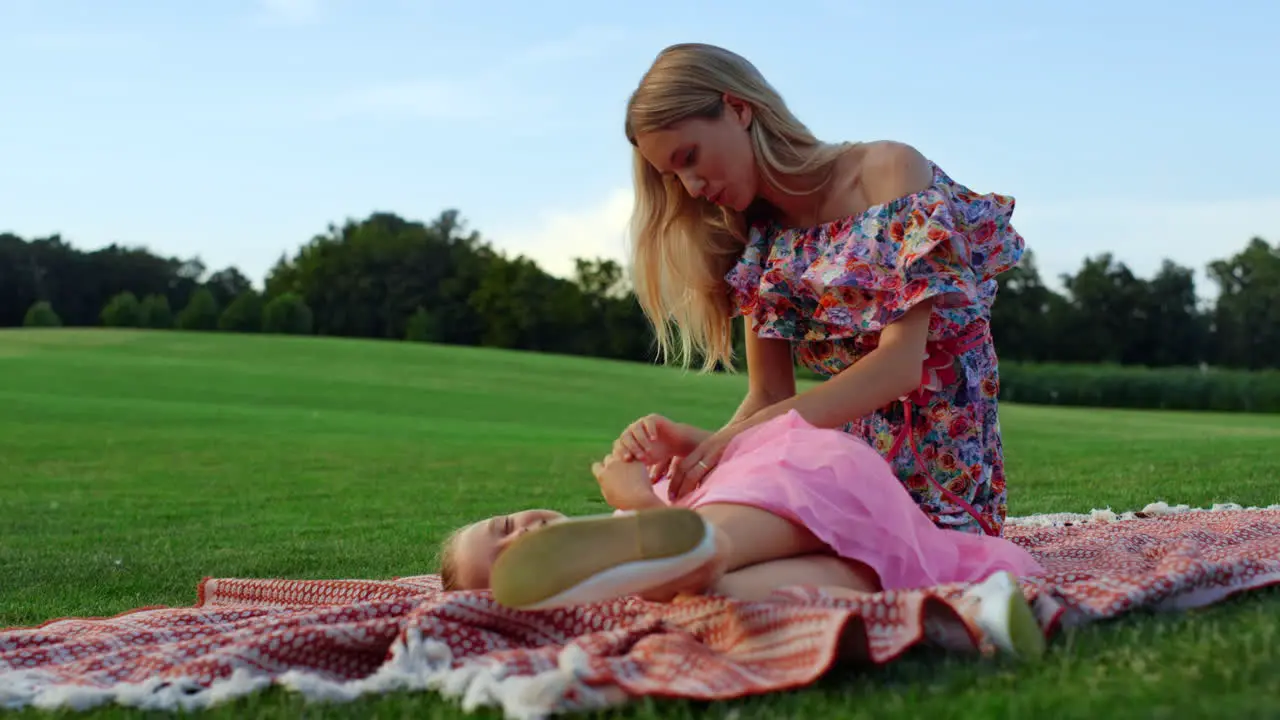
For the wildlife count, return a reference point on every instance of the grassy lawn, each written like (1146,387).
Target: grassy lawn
(133,464)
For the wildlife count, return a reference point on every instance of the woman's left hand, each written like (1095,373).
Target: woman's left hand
(689,473)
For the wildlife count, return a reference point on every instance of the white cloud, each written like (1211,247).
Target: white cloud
(556,238)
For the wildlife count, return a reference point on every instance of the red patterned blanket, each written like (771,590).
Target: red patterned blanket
(339,639)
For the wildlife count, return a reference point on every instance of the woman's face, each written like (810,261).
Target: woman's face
(712,157)
(476,547)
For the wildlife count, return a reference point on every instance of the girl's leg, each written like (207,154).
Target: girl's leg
(995,613)
(766,552)
(737,550)
(832,573)
(995,606)
(655,553)
(748,536)
(757,582)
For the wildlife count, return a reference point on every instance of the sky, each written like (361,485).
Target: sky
(237,130)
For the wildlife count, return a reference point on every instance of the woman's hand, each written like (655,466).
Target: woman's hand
(625,485)
(655,440)
(688,474)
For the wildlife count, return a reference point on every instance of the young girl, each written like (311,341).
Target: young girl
(790,504)
(864,262)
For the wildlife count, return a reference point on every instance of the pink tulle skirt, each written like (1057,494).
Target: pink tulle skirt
(845,493)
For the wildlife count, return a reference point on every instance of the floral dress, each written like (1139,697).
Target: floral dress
(832,288)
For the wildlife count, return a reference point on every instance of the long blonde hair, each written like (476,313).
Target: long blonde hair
(682,247)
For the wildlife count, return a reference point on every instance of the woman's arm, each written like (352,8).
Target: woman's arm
(892,370)
(889,170)
(887,373)
(771,374)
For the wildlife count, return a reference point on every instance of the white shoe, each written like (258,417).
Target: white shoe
(601,557)
(1003,614)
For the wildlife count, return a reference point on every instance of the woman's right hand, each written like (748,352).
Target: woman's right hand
(656,440)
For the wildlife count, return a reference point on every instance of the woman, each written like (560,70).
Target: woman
(790,504)
(864,262)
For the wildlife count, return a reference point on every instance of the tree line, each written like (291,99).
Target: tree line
(391,278)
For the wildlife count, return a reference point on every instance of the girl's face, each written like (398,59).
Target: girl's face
(476,547)
(712,157)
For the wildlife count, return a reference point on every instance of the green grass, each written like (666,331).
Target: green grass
(134,463)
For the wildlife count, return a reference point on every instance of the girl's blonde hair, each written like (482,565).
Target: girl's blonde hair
(682,247)
(448,560)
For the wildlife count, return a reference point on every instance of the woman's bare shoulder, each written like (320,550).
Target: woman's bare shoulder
(884,170)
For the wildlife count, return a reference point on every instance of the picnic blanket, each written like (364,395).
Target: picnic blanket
(339,639)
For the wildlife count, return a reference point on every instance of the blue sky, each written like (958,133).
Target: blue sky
(237,129)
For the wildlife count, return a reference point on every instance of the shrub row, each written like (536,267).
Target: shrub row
(1138,388)
(1113,386)
(286,314)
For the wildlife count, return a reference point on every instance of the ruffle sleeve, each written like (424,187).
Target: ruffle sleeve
(860,274)
(745,276)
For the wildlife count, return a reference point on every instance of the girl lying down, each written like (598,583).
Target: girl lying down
(788,504)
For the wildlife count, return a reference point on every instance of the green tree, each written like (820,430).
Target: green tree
(367,278)
(41,315)
(386,276)
(422,327)
(201,312)
(287,314)
(80,284)
(156,312)
(1177,330)
(1108,320)
(521,307)
(1247,316)
(227,285)
(1021,310)
(244,314)
(122,311)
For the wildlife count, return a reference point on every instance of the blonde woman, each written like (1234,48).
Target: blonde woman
(864,262)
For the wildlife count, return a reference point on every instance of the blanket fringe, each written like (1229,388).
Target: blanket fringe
(1154,509)
(416,663)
